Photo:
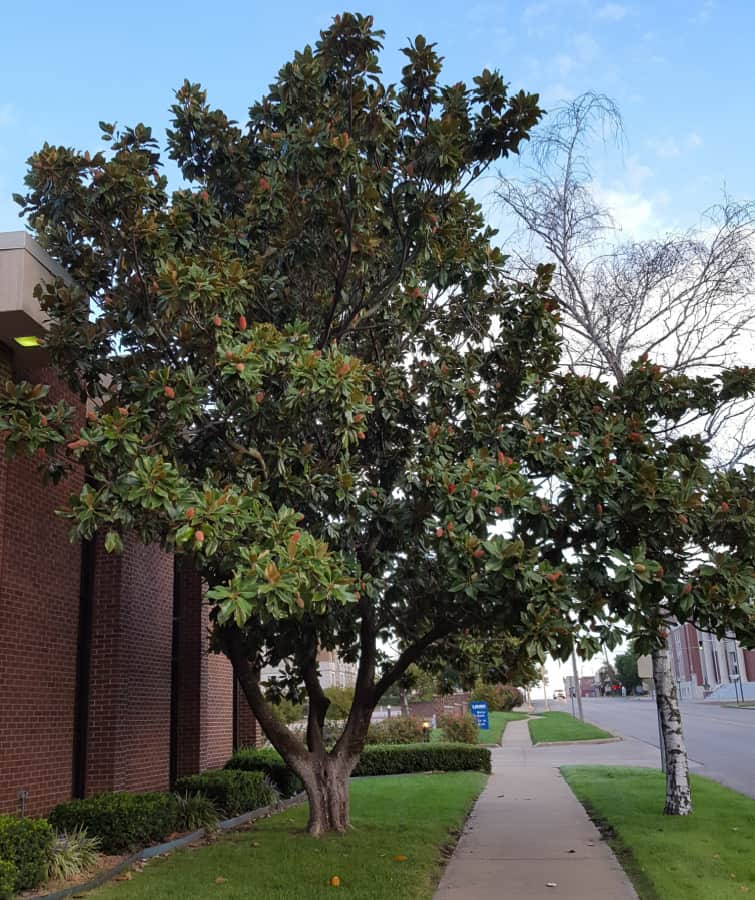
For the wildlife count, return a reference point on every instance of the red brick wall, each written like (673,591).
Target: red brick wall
(219,711)
(128,742)
(129,709)
(249,731)
(749,656)
(39,602)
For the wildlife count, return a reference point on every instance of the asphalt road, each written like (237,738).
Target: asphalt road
(720,740)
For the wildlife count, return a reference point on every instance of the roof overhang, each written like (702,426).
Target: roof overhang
(23,265)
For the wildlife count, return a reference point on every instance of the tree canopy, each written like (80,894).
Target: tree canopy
(310,374)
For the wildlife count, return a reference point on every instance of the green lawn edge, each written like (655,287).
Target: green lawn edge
(494,735)
(550,727)
(671,857)
(414,816)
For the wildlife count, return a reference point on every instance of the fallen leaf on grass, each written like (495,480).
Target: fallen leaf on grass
(400,858)
(220,880)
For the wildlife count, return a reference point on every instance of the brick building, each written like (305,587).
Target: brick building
(106,680)
(705,666)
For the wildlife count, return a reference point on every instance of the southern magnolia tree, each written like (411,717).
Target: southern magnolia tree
(302,368)
(649,531)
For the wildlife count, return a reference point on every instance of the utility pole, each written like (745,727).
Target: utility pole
(577,684)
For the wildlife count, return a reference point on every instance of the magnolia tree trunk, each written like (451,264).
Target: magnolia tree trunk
(326,781)
(678,797)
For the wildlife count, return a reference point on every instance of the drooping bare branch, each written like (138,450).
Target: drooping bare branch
(685,298)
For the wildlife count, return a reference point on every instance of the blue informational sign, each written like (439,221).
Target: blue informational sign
(479,709)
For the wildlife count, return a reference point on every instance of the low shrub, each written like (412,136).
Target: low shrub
(195,811)
(73,852)
(288,712)
(26,844)
(122,822)
(8,876)
(394,759)
(341,699)
(270,763)
(401,730)
(459,729)
(499,697)
(232,791)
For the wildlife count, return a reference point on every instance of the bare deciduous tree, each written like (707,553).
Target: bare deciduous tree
(685,299)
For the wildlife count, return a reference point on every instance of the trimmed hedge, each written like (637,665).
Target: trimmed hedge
(270,763)
(8,875)
(122,822)
(398,759)
(232,791)
(379,759)
(26,844)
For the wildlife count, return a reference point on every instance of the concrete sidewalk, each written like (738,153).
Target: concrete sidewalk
(529,838)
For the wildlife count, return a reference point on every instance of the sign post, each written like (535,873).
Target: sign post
(479,709)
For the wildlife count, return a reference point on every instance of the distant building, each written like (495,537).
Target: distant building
(705,666)
(334,672)
(587,684)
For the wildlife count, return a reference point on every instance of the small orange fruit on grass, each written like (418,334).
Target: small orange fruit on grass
(335,881)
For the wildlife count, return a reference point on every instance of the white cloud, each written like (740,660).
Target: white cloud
(694,139)
(664,148)
(612,12)
(632,211)
(703,13)
(565,64)
(6,115)
(586,48)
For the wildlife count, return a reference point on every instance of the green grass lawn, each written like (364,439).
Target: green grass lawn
(561,726)
(497,722)
(705,856)
(275,859)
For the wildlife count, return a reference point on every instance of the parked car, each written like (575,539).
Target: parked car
(559,695)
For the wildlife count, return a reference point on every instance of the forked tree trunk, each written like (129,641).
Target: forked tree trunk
(326,781)
(678,796)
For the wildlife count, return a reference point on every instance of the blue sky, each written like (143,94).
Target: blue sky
(680,70)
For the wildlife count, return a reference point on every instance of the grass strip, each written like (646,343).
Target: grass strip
(562,726)
(413,816)
(704,856)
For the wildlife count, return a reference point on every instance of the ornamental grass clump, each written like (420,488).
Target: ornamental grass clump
(73,852)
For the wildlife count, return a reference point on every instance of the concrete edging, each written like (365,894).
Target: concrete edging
(170,846)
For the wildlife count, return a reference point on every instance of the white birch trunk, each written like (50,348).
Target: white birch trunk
(678,796)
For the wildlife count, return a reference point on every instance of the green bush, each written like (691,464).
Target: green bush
(459,729)
(270,763)
(26,843)
(8,876)
(401,730)
(73,852)
(195,811)
(340,702)
(232,791)
(122,822)
(288,712)
(499,697)
(398,759)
